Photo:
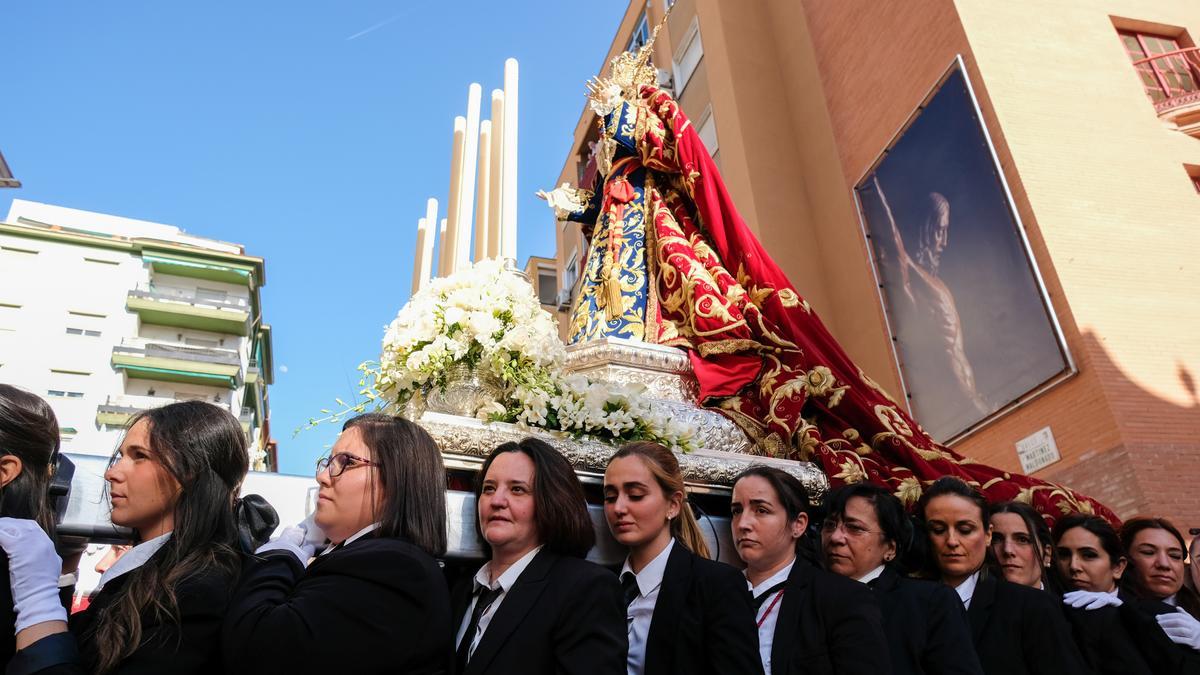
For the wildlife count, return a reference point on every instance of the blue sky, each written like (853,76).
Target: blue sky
(310,132)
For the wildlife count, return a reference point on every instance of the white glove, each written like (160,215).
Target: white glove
(33,570)
(1181,627)
(1091,599)
(301,540)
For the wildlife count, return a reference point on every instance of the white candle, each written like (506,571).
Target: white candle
(495,190)
(441,240)
(466,196)
(484,198)
(508,221)
(420,260)
(449,243)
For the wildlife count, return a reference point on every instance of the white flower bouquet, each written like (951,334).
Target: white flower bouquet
(487,318)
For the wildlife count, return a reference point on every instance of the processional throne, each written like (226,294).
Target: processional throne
(678,294)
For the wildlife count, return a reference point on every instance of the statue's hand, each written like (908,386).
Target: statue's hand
(566,200)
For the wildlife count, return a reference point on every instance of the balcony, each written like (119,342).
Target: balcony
(117,410)
(187,308)
(1172,81)
(174,362)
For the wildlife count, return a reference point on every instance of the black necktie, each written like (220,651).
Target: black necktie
(630,587)
(760,599)
(484,599)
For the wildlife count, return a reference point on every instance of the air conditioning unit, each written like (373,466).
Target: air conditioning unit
(564,299)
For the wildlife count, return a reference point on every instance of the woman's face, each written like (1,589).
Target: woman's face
(1015,548)
(853,544)
(957,535)
(1157,560)
(1085,564)
(638,512)
(764,535)
(507,516)
(142,491)
(348,502)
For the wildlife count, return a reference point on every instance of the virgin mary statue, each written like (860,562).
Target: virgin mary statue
(670,261)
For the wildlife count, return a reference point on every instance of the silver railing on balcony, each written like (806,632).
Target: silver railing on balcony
(246,416)
(174,350)
(190,296)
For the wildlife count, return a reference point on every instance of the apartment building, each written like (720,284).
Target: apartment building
(105,316)
(1085,115)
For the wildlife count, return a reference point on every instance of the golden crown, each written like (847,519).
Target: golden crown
(627,72)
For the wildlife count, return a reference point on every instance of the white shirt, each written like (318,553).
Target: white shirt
(1171,600)
(133,559)
(504,582)
(767,614)
(354,537)
(641,610)
(967,589)
(871,576)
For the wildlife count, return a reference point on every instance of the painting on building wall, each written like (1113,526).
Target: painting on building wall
(972,330)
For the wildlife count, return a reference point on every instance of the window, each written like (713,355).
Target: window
(14,249)
(101,261)
(59,393)
(211,294)
(641,34)
(90,315)
(201,342)
(83,331)
(687,56)
(547,285)
(571,273)
(1167,69)
(707,130)
(9,305)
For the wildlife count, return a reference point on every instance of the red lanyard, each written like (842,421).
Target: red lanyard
(774,601)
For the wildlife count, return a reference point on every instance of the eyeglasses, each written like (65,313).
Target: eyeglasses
(337,464)
(853,530)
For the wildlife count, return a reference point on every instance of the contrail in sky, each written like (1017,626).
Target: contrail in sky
(376,27)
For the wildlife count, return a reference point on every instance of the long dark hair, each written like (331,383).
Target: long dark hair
(951,486)
(559,505)
(1039,531)
(665,468)
(1186,598)
(203,447)
(413,478)
(29,432)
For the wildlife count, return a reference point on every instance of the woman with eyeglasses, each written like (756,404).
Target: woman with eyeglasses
(536,607)
(1021,544)
(809,620)
(686,613)
(375,601)
(1016,629)
(174,482)
(863,537)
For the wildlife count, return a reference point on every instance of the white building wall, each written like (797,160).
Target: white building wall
(48,287)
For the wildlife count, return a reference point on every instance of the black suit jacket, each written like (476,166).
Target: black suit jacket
(191,646)
(1162,655)
(703,620)
(827,624)
(563,615)
(1107,644)
(376,605)
(926,627)
(1018,629)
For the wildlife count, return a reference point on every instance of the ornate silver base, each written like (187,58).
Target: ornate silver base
(703,470)
(667,375)
(465,392)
